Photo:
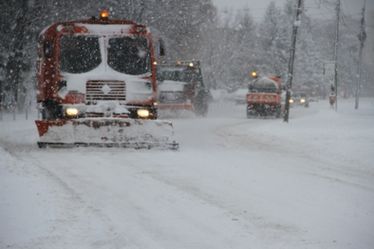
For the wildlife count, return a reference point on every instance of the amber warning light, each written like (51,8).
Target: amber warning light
(254,74)
(104,15)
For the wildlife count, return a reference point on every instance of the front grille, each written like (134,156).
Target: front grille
(105,90)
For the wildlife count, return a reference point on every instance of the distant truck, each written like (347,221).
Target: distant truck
(181,87)
(264,97)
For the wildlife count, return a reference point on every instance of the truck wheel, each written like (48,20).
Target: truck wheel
(278,112)
(201,104)
(202,111)
(51,110)
(249,112)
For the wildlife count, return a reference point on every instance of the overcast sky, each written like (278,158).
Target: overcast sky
(257,7)
(315,7)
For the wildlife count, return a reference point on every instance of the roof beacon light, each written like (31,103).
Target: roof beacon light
(104,15)
(254,74)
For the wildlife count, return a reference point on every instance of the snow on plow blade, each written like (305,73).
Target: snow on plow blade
(107,132)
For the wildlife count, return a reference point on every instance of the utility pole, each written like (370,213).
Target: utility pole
(362,38)
(336,53)
(296,25)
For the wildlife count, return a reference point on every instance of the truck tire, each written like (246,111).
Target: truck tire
(51,110)
(278,112)
(201,104)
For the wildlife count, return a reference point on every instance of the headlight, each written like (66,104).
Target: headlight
(71,111)
(143,113)
(302,101)
(291,101)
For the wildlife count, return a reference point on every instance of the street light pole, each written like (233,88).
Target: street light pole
(336,53)
(296,25)
(362,38)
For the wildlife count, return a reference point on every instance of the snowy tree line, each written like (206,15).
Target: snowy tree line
(179,23)
(229,46)
(239,45)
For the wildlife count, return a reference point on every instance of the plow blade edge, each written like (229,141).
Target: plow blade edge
(106,132)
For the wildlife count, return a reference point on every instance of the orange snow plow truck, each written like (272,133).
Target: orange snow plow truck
(264,97)
(96,82)
(181,87)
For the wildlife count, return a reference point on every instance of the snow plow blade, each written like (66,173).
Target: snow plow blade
(106,132)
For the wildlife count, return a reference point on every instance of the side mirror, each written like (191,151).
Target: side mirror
(161,47)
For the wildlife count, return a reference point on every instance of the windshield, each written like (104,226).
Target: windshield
(177,75)
(79,54)
(129,55)
(263,85)
(299,95)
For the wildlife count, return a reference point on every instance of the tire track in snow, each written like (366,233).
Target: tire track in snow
(72,210)
(256,226)
(271,144)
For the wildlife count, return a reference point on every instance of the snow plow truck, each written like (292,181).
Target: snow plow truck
(96,81)
(264,97)
(181,87)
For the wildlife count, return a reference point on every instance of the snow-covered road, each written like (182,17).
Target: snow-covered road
(234,183)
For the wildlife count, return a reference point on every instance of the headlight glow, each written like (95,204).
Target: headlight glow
(291,101)
(71,111)
(302,101)
(143,113)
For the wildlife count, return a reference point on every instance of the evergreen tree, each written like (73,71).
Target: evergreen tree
(274,37)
